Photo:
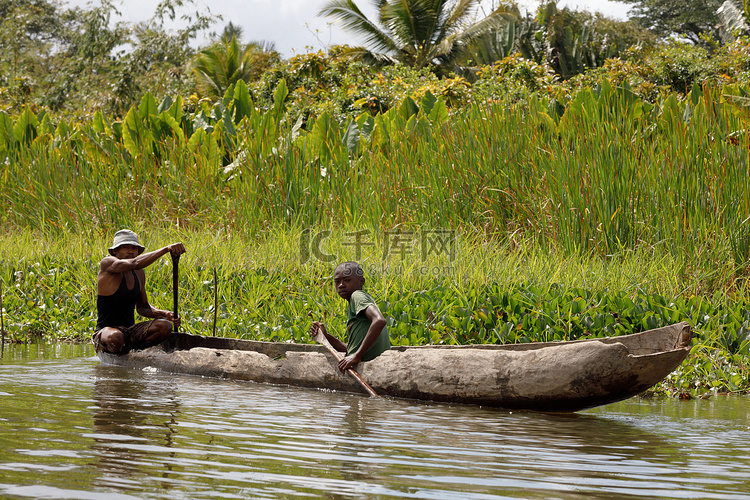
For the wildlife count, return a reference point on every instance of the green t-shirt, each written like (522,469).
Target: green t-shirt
(357,325)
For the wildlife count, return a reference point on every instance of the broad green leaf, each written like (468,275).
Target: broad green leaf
(326,138)
(6,131)
(228,97)
(134,134)
(117,131)
(605,90)
(365,122)
(636,110)
(439,112)
(202,121)
(165,104)
(98,123)
(62,130)
(428,102)
(297,129)
(243,102)
(687,114)
(46,126)
(411,124)
(197,139)
(148,106)
(279,97)
(164,127)
(204,148)
(351,137)
(696,93)
(423,127)
(218,111)
(173,123)
(25,129)
(228,123)
(408,108)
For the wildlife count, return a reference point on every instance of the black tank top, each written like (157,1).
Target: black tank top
(118,309)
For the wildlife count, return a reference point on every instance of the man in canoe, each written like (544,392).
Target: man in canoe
(366,332)
(121,290)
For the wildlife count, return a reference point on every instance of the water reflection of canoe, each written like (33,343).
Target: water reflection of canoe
(544,376)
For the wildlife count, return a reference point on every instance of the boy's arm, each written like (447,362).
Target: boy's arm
(336,343)
(377,323)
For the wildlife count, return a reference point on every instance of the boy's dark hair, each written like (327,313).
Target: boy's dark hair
(352,268)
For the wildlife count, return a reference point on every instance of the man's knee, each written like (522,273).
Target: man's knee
(161,327)
(112,340)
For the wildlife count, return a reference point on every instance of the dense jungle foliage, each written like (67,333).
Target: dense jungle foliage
(507,202)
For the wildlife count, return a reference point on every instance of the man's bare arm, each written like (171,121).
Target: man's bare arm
(114,265)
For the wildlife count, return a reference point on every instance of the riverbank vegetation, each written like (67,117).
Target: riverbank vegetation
(511,204)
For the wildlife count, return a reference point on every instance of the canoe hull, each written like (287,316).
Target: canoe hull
(550,377)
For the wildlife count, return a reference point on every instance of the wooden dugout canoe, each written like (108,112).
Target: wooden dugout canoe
(542,376)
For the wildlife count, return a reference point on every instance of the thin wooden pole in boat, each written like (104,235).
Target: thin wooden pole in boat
(2,323)
(321,339)
(216,299)
(175,283)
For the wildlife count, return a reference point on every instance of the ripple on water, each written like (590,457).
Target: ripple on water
(70,428)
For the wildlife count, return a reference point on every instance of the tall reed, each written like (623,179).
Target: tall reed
(611,174)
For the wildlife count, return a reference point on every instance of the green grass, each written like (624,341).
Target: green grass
(612,174)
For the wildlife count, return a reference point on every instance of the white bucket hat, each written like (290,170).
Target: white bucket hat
(126,237)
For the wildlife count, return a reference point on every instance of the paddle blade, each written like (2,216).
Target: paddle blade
(321,339)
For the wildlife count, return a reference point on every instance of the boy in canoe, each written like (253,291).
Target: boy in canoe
(366,334)
(121,289)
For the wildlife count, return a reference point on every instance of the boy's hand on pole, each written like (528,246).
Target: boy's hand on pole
(317,325)
(348,362)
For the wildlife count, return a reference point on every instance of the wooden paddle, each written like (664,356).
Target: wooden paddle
(216,300)
(175,283)
(320,338)
(2,324)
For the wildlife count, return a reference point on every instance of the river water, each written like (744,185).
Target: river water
(71,428)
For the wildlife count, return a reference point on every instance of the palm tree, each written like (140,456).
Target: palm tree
(418,33)
(232,30)
(228,61)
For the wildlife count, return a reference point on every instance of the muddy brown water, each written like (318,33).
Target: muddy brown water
(71,428)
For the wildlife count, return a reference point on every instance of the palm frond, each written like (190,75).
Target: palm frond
(354,20)
(375,59)
(412,20)
(262,45)
(461,11)
(493,22)
(418,32)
